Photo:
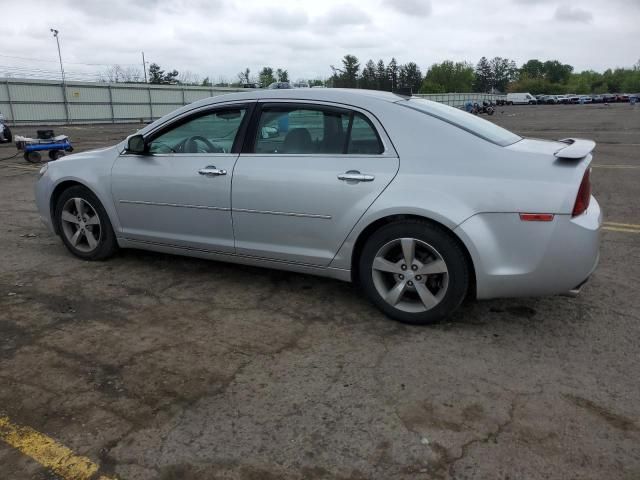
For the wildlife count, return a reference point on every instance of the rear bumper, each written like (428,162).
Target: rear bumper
(513,258)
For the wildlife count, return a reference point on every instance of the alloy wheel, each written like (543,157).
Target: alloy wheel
(410,275)
(81,224)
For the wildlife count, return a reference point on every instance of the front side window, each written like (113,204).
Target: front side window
(210,133)
(314,130)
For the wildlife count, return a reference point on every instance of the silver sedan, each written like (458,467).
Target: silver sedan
(421,204)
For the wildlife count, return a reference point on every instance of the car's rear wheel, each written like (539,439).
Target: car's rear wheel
(414,271)
(84,225)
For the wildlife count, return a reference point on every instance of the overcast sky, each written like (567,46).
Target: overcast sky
(218,38)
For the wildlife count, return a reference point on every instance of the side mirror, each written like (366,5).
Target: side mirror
(136,145)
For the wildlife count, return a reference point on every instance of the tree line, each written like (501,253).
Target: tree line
(488,75)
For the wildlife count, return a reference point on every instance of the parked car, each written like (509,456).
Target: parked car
(585,99)
(597,98)
(540,98)
(521,99)
(385,190)
(279,85)
(574,99)
(550,99)
(609,97)
(5,132)
(562,99)
(300,85)
(622,97)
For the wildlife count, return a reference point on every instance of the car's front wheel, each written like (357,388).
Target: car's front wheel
(84,225)
(414,271)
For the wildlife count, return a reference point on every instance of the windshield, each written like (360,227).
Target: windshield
(471,123)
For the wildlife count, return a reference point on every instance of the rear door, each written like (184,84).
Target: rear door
(310,172)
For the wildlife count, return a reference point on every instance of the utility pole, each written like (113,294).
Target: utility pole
(144,68)
(64,84)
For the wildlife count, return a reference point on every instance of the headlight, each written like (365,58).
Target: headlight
(43,170)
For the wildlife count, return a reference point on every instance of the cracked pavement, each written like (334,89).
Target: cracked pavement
(165,367)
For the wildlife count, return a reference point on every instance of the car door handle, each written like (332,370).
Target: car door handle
(211,171)
(356,176)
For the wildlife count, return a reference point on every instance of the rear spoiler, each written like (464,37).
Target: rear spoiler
(576,148)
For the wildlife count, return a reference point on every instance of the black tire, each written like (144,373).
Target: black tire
(106,243)
(33,157)
(439,239)
(56,154)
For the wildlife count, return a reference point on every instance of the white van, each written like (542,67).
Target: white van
(521,99)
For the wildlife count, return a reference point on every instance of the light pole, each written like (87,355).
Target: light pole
(144,68)
(64,86)
(55,34)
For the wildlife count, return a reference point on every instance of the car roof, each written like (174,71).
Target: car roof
(346,96)
(339,95)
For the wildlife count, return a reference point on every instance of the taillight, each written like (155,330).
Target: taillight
(584,195)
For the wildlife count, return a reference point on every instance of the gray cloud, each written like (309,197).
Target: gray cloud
(420,8)
(281,18)
(344,14)
(218,38)
(565,13)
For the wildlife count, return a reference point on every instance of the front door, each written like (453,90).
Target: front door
(179,193)
(312,172)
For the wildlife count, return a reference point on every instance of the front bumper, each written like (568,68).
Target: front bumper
(42,190)
(513,258)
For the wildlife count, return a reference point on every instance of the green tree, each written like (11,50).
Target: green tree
(156,74)
(206,82)
(430,87)
(265,77)
(410,76)
(243,76)
(282,75)
(382,81)
(347,76)
(483,76)
(392,74)
(368,78)
(503,72)
(533,69)
(449,77)
(556,72)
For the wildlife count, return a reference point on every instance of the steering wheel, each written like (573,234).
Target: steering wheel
(191,145)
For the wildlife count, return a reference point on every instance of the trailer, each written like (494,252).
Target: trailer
(56,146)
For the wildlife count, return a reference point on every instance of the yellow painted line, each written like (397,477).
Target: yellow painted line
(47,452)
(616,224)
(626,230)
(616,166)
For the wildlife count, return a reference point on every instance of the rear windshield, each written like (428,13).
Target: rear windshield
(471,123)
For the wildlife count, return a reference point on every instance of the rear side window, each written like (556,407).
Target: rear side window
(364,139)
(471,123)
(292,129)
